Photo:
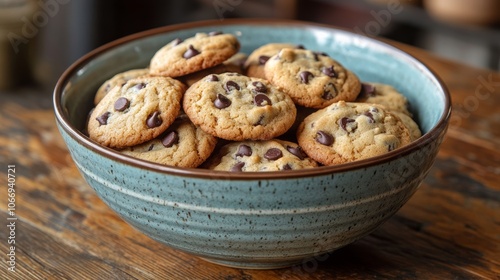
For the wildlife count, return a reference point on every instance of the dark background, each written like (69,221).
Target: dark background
(78,26)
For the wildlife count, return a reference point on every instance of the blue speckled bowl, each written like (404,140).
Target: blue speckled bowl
(259,220)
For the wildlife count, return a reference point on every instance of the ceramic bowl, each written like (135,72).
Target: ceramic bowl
(263,219)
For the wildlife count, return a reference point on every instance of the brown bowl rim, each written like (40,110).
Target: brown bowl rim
(226,175)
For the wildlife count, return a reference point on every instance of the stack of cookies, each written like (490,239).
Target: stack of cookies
(201,103)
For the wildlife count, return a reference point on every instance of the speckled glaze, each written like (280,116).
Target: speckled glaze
(259,220)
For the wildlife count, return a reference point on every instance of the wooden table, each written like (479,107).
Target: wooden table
(450,229)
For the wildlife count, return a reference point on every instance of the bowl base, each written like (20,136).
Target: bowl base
(253,265)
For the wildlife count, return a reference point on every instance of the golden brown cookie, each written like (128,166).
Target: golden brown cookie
(118,80)
(182,144)
(345,132)
(384,94)
(236,107)
(202,51)
(312,79)
(192,78)
(136,112)
(255,62)
(237,60)
(270,155)
(412,126)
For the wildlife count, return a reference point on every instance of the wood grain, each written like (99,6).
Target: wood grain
(450,229)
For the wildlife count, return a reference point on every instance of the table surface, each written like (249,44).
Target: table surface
(449,229)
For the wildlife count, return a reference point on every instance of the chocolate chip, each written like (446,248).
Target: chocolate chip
(191,52)
(263,59)
(214,33)
(262,100)
(170,139)
(107,88)
(329,71)
(140,86)
(317,54)
(222,102)
(300,47)
(121,104)
(305,76)
(259,87)
(391,147)
(316,58)
(324,138)
(287,167)
(177,41)
(327,95)
(212,78)
(370,116)
(244,150)
(367,90)
(154,120)
(151,147)
(273,154)
(296,151)
(259,121)
(230,85)
(343,122)
(103,119)
(238,167)
(329,91)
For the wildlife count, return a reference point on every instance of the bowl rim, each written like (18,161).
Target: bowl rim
(109,153)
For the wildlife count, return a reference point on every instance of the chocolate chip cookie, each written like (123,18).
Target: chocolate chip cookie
(236,107)
(118,80)
(412,126)
(202,51)
(345,132)
(312,79)
(182,144)
(237,60)
(192,78)
(383,94)
(136,112)
(255,62)
(270,155)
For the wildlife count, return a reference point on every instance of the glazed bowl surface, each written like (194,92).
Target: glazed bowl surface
(256,219)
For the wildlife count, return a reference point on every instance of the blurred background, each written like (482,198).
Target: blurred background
(39,39)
